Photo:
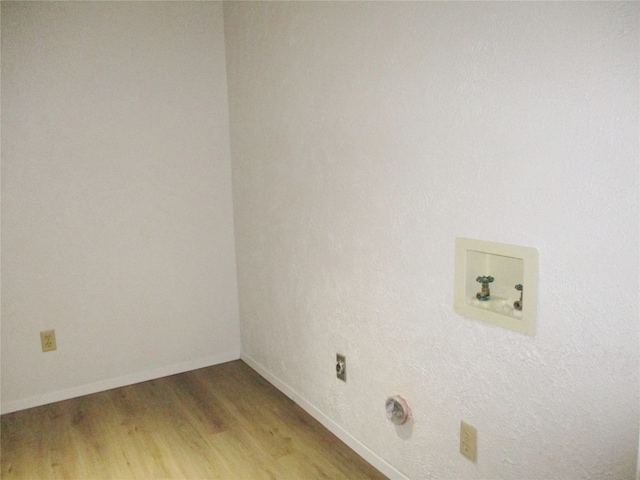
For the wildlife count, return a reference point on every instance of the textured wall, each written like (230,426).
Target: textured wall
(365,138)
(117,226)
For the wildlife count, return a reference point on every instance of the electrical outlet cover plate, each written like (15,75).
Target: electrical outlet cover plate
(48,340)
(468,441)
(510,265)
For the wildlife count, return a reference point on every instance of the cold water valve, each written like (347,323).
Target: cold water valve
(518,303)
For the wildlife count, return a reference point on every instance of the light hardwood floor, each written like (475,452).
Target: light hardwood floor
(222,422)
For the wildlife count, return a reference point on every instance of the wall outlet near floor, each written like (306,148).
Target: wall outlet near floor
(341,367)
(48,340)
(468,441)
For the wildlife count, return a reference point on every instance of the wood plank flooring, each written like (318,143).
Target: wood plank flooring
(222,422)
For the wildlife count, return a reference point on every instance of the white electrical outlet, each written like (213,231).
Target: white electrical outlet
(48,340)
(468,441)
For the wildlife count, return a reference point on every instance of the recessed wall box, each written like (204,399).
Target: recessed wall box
(497,283)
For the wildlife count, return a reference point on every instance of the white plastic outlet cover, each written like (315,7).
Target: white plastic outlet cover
(510,266)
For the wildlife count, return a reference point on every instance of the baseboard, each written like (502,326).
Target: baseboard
(117,382)
(353,443)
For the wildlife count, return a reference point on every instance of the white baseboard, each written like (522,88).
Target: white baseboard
(353,443)
(117,382)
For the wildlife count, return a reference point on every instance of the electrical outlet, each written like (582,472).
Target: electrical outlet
(341,367)
(468,441)
(48,340)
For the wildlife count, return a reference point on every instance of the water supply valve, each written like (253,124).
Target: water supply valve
(484,294)
(518,303)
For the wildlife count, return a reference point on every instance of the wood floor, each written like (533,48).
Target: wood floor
(222,422)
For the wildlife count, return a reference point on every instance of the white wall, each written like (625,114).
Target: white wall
(117,226)
(365,138)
